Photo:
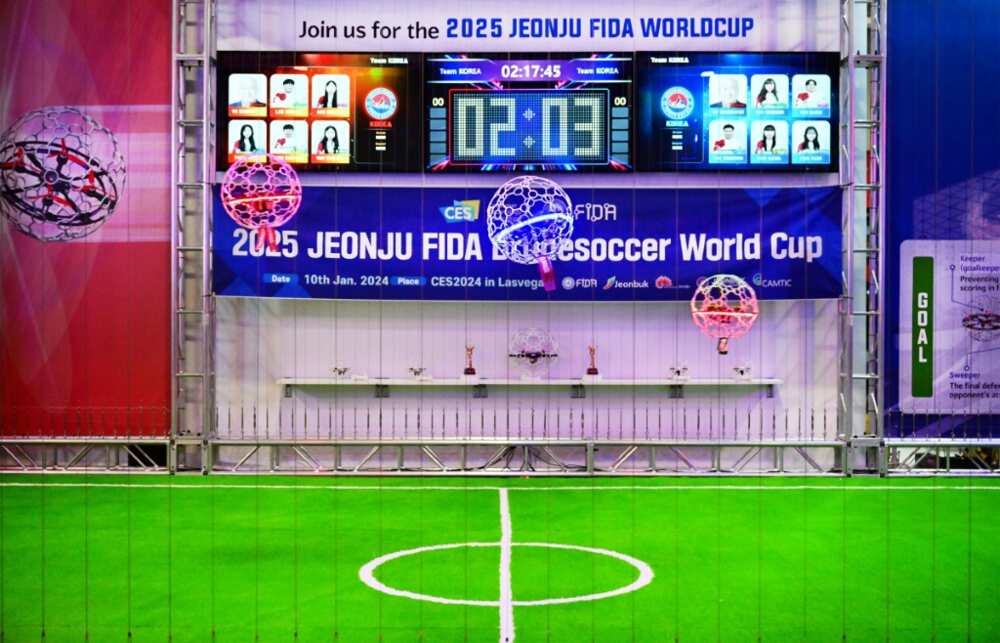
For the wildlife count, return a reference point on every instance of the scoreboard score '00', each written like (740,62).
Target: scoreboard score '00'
(524,126)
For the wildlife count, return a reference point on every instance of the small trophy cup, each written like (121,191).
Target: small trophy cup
(592,372)
(470,370)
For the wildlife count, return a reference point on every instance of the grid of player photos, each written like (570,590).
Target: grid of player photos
(302,118)
(768,119)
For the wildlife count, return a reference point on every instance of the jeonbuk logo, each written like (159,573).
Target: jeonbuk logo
(677,103)
(381,103)
(460,211)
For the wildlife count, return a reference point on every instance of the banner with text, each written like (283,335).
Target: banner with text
(527,25)
(627,245)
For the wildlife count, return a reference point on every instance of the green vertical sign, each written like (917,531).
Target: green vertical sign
(922,348)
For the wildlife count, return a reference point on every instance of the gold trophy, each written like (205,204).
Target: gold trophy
(469,368)
(592,369)
(593,374)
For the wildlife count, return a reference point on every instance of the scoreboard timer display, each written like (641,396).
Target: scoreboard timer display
(529,114)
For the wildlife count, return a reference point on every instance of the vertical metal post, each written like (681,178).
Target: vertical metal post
(845,420)
(863,61)
(192,169)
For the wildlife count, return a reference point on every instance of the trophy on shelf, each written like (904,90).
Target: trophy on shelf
(592,372)
(470,370)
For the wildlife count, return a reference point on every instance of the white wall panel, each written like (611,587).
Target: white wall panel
(261,341)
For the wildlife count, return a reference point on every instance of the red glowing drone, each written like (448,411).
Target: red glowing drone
(724,307)
(262,194)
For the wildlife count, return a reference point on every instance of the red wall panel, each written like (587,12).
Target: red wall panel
(85,324)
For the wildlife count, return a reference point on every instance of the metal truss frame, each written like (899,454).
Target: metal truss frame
(941,456)
(526,457)
(76,455)
(862,135)
(192,171)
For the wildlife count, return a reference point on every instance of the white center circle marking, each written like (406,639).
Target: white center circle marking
(367,576)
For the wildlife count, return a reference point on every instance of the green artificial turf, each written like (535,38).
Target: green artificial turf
(277,559)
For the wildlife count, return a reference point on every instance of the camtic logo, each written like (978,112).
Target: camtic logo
(460,211)
(759,280)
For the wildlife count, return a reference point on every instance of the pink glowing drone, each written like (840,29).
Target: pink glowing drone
(724,307)
(262,194)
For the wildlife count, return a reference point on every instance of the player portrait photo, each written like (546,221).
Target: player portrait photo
(811,95)
(247,138)
(289,95)
(290,140)
(769,92)
(331,142)
(247,95)
(728,140)
(769,141)
(331,96)
(727,92)
(810,142)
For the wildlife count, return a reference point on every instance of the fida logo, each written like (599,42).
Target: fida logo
(381,103)
(677,103)
(460,211)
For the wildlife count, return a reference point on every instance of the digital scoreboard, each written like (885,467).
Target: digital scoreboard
(531,114)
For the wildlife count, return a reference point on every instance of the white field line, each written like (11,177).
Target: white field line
(506,587)
(313,487)
(367,575)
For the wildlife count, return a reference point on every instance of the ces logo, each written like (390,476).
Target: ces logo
(460,211)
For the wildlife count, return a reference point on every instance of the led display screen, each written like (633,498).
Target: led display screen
(325,112)
(531,113)
(740,111)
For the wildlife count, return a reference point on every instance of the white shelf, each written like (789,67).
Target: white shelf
(674,386)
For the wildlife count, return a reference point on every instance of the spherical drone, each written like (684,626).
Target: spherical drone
(533,349)
(528,220)
(262,194)
(724,307)
(62,174)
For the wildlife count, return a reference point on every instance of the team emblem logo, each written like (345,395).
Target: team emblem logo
(381,103)
(677,103)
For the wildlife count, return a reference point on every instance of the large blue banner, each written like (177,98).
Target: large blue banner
(943,221)
(627,245)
